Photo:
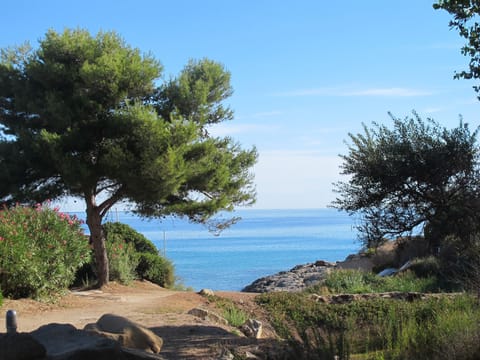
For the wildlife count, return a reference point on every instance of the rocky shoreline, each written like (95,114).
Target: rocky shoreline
(296,279)
(302,276)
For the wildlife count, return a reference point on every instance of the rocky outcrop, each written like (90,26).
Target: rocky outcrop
(20,346)
(65,342)
(208,315)
(126,332)
(252,328)
(393,295)
(296,279)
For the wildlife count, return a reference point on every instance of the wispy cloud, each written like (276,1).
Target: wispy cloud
(344,91)
(394,92)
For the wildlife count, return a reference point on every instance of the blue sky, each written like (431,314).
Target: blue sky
(305,73)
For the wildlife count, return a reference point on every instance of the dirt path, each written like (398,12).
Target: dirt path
(164,311)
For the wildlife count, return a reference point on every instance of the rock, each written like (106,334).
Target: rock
(206,292)
(20,346)
(208,315)
(357,262)
(387,272)
(226,355)
(65,342)
(252,328)
(297,279)
(126,332)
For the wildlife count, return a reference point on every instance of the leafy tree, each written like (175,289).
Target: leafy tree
(83,116)
(416,175)
(465,15)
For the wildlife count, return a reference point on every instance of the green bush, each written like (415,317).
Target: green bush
(1,297)
(130,235)
(157,269)
(131,256)
(122,259)
(40,250)
(426,266)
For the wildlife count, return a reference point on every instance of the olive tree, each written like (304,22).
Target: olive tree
(416,176)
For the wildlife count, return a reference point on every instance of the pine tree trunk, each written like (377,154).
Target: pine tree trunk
(94,222)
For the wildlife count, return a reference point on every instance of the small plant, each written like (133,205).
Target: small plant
(122,259)
(1,298)
(234,315)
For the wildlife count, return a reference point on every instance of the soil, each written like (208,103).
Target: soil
(163,311)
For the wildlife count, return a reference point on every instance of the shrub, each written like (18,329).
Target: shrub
(122,259)
(156,269)
(425,267)
(130,235)
(1,298)
(460,261)
(40,250)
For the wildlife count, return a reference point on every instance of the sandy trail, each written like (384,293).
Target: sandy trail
(164,311)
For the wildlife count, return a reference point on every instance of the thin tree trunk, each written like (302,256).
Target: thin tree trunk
(94,223)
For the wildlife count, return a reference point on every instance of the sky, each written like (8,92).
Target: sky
(305,73)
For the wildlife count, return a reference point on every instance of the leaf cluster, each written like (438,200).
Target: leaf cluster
(84,116)
(465,20)
(417,173)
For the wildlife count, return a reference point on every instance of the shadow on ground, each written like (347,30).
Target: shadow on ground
(210,342)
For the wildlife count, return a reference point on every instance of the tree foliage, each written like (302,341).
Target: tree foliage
(465,20)
(417,175)
(84,116)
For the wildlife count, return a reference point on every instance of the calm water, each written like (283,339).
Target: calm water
(262,243)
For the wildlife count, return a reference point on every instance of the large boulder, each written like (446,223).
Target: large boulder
(20,346)
(126,332)
(65,342)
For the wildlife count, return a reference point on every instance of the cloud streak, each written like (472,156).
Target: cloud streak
(371,92)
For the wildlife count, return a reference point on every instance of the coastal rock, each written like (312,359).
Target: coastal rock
(208,315)
(357,262)
(253,328)
(296,279)
(206,292)
(348,298)
(126,332)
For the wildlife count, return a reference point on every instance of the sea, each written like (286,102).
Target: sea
(261,243)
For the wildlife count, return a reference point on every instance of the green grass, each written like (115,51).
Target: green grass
(437,328)
(230,312)
(443,328)
(357,282)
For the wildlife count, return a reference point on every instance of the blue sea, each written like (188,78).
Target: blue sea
(262,243)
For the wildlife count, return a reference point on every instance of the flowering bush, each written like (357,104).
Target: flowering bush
(40,250)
